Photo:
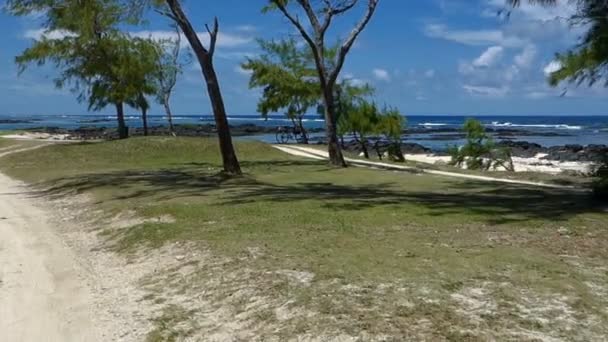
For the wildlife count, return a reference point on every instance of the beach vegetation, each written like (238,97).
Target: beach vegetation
(600,185)
(286,74)
(362,120)
(390,125)
(170,63)
(100,64)
(587,62)
(141,103)
(320,16)
(479,151)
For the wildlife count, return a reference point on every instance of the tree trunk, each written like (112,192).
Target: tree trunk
(303,131)
(333,146)
(169,115)
(364,148)
(230,161)
(144,118)
(123,130)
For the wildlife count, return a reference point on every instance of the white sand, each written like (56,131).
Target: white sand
(535,164)
(37,136)
(315,153)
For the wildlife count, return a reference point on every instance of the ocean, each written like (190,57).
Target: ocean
(436,131)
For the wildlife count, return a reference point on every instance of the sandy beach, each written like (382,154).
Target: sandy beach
(535,164)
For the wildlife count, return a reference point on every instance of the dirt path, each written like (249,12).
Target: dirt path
(314,153)
(43,292)
(43,295)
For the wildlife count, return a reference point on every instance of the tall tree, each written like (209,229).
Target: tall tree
(320,15)
(101,64)
(124,77)
(173,9)
(286,74)
(169,64)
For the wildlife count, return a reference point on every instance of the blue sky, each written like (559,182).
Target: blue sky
(424,56)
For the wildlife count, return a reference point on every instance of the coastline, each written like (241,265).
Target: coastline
(527,157)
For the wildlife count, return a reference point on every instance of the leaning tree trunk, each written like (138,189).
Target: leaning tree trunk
(231,163)
(333,145)
(123,130)
(204,56)
(303,131)
(144,118)
(169,115)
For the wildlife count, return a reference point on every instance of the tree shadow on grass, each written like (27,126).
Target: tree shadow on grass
(500,204)
(162,184)
(494,203)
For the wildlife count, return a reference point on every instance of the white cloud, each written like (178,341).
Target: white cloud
(472,37)
(246,28)
(42,33)
(429,73)
(489,57)
(353,80)
(486,91)
(526,57)
(561,10)
(552,67)
(235,55)
(382,75)
(227,40)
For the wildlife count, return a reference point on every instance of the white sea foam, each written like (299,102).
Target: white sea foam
(432,124)
(557,126)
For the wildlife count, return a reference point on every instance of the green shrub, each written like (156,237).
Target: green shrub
(600,186)
(480,152)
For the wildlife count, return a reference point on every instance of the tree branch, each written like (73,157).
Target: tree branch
(331,11)
(166,14)
(213,35)
(312,16)
(316,53)
(347,45)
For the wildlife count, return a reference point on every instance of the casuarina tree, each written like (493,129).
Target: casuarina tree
(102,65)
(320,16)
(288,80)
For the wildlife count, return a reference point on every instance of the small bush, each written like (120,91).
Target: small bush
(600,186)
(480,152)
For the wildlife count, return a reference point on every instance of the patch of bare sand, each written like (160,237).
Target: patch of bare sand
(529,316)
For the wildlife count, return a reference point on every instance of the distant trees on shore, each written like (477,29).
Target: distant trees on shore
(106,66)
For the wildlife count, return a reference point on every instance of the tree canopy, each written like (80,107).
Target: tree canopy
(587,62)
(101,64)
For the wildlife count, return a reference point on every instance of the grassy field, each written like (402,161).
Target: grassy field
(5,143)
(303,250)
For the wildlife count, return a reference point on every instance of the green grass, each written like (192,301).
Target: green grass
(7,142)
(10,144)
(412,237)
